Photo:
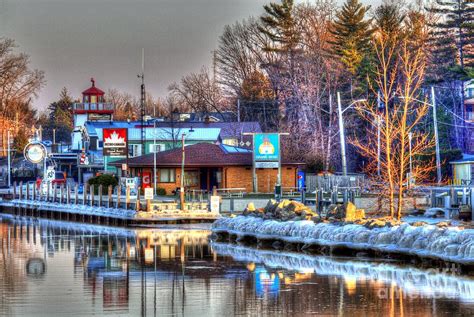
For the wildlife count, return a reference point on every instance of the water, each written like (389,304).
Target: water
(63,269)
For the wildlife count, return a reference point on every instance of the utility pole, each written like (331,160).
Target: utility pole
(435,123)
(238,110)
(9,160)
(181,190)
(341,135)
(142,102)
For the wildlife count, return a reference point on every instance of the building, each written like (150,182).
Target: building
(94,114)
(463,171)
(208,165)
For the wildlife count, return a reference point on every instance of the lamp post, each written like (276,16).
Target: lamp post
(183,155)
(342,137)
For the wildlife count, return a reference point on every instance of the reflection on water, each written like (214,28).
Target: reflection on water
(57,269)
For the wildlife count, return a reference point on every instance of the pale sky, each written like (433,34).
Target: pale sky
(74,40)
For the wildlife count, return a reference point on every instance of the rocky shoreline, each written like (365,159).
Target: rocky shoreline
(290,226)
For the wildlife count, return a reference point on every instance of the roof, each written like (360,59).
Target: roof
(165,130)
(95,129)
(93,90)
(463,161)
(198,155)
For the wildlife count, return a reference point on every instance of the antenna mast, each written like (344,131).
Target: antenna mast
(142,103)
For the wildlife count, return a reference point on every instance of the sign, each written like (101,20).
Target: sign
(266,164)
(215,204)
(50,174)
(148,193)
(115,142)
(124,166)
(266,147)
(146,179)
(35,152)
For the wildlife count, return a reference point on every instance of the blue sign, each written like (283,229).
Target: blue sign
(266,147)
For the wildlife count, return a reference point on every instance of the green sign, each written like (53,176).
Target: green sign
(266,147)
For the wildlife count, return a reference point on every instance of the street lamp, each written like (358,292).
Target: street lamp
(341,130)
(181,190)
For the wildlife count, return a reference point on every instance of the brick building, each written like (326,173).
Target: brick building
(208,165)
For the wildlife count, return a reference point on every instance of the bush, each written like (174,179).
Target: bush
(105,180)
(160,191)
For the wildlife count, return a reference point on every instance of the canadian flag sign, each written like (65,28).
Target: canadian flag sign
(115,142)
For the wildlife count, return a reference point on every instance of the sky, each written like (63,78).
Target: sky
(74,40)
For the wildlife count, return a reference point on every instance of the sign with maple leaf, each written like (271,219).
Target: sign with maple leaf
(115,142)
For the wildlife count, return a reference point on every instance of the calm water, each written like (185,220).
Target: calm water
(62,269)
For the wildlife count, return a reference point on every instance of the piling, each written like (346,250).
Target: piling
(92,195)
(109,202)
(119,191)
(84,194)
(21,189)
(100,195)
(14,190)
(138,199)
(127,197)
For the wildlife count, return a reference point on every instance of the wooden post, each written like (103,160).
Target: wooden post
(138,200)
(61,194)
(119,191)
(55,193)
(127,197)
(76,194)
(92,195)
(100,195)
(109,202)
(21,190)
(34,191)
(84,194)
(14,190)
(68,194)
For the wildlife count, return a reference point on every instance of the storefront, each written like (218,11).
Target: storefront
(208,165)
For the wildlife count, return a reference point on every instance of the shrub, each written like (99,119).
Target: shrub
(105,180)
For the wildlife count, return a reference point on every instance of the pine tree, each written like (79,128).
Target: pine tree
(352,34)
(453,34)
(389,20)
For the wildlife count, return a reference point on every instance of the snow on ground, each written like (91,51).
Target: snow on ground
(449,244)
(77,209)
(416,282)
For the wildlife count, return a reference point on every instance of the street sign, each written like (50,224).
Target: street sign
(266,164)
(267,147)
(115,142)
(50,174)
(35,152)
(215,204)
(148,193)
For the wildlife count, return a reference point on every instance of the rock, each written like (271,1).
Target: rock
(250,207)
(435,213)
(419,224)
(443,224)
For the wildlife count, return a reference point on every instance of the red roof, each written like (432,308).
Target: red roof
(93,90)
(197,155)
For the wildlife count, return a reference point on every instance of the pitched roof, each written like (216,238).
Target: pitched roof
(201,154)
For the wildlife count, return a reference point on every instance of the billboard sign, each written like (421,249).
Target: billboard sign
(266,147)
(115,142)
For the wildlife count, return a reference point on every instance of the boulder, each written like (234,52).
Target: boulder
(435,212)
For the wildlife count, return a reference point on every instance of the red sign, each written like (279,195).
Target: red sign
(115,142)
(146,179)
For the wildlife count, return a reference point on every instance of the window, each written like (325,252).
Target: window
(134,150)
(167,175)
(231,142)
(191,178)
(158,148)
(100,144)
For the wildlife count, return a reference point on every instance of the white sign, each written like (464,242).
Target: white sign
(124,166)
(148,193)
(50,174)
(266,164)
(34,152)
(215,204)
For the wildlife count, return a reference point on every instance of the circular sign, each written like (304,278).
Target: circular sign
(35,152)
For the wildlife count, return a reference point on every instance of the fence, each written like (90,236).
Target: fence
(329,182)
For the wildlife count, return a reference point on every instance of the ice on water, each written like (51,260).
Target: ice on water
(451,243)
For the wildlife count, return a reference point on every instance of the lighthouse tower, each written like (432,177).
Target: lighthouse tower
(92,108)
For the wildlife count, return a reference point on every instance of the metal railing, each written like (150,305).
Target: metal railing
(101,106)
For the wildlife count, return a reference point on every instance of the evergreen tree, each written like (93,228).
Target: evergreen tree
(60,118)
(453,35)
(389,20)
(352,34)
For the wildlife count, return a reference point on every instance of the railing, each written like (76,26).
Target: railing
(93,107)
(231,192)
